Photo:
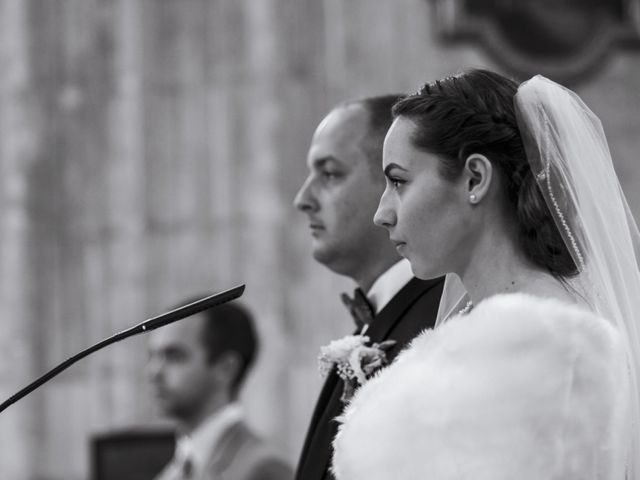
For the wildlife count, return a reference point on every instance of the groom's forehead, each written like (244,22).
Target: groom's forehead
(345,125)
(340,142)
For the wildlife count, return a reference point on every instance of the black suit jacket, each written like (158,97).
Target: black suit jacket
(412,310)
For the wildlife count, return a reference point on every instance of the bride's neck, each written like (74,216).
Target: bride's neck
(501,267)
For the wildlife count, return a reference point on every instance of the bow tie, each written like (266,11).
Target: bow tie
(361,310)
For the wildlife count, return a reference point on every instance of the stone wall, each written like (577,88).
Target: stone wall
(150,150)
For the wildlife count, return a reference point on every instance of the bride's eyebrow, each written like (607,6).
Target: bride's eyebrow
(391,166)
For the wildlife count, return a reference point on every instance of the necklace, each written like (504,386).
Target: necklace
(466,309)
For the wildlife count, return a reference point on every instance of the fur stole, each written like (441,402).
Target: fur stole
(521,387)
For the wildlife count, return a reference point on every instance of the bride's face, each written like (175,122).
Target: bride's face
(425,214)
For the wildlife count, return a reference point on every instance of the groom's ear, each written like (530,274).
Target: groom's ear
(478,172)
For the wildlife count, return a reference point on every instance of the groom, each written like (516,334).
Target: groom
(340,197)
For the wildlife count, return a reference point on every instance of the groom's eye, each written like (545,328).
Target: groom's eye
(329,174)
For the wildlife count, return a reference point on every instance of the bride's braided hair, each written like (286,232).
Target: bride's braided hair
(474,113)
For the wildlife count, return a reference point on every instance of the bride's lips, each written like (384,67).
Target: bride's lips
(398,244)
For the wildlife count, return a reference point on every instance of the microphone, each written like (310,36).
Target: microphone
(146,326)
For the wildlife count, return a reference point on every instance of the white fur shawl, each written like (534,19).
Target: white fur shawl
(520,388)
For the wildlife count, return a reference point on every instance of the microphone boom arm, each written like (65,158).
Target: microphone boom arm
(148,325)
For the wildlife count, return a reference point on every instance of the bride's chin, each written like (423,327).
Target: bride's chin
(417,270)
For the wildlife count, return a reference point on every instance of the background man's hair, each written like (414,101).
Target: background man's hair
(229,328)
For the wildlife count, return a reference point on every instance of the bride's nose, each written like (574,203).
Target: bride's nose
(385,216)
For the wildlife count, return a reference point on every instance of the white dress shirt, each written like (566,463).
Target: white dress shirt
(389,284)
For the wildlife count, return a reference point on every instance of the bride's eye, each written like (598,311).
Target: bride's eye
(394,176)
(396,182)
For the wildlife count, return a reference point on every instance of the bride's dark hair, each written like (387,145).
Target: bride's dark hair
(474,113)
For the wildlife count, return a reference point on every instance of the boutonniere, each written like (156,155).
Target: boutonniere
(354,360)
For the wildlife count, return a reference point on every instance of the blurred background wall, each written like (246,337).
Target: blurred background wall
(150,150)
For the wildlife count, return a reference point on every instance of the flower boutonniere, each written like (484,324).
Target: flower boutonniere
(354,360)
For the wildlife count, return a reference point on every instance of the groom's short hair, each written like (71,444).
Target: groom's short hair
(380,119)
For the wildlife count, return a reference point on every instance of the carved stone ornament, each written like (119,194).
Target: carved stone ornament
(562,39)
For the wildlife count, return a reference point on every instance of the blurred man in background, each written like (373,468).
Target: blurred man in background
(197,367)
(340,196)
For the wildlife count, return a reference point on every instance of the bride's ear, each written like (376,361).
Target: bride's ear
(478,172)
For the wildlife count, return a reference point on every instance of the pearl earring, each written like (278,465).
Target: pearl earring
(472,198)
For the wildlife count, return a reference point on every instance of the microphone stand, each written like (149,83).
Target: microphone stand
(146,326)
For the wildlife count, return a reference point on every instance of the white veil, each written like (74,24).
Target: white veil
(453,300)
(568,153)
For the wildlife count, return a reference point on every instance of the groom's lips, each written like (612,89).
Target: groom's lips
(316,228)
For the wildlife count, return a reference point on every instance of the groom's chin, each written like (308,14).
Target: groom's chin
(423,273)
(321,252)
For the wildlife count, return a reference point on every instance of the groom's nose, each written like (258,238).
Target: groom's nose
(304,200)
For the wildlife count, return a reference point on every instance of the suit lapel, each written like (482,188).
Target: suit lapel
(317,454)
(330,384)
(331,387)
(322,426)
(393,311)
(226,448)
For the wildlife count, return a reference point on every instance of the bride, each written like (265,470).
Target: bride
(534,375)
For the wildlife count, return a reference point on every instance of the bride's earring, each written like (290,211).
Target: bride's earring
(478,174)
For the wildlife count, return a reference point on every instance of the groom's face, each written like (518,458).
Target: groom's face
(341,192)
